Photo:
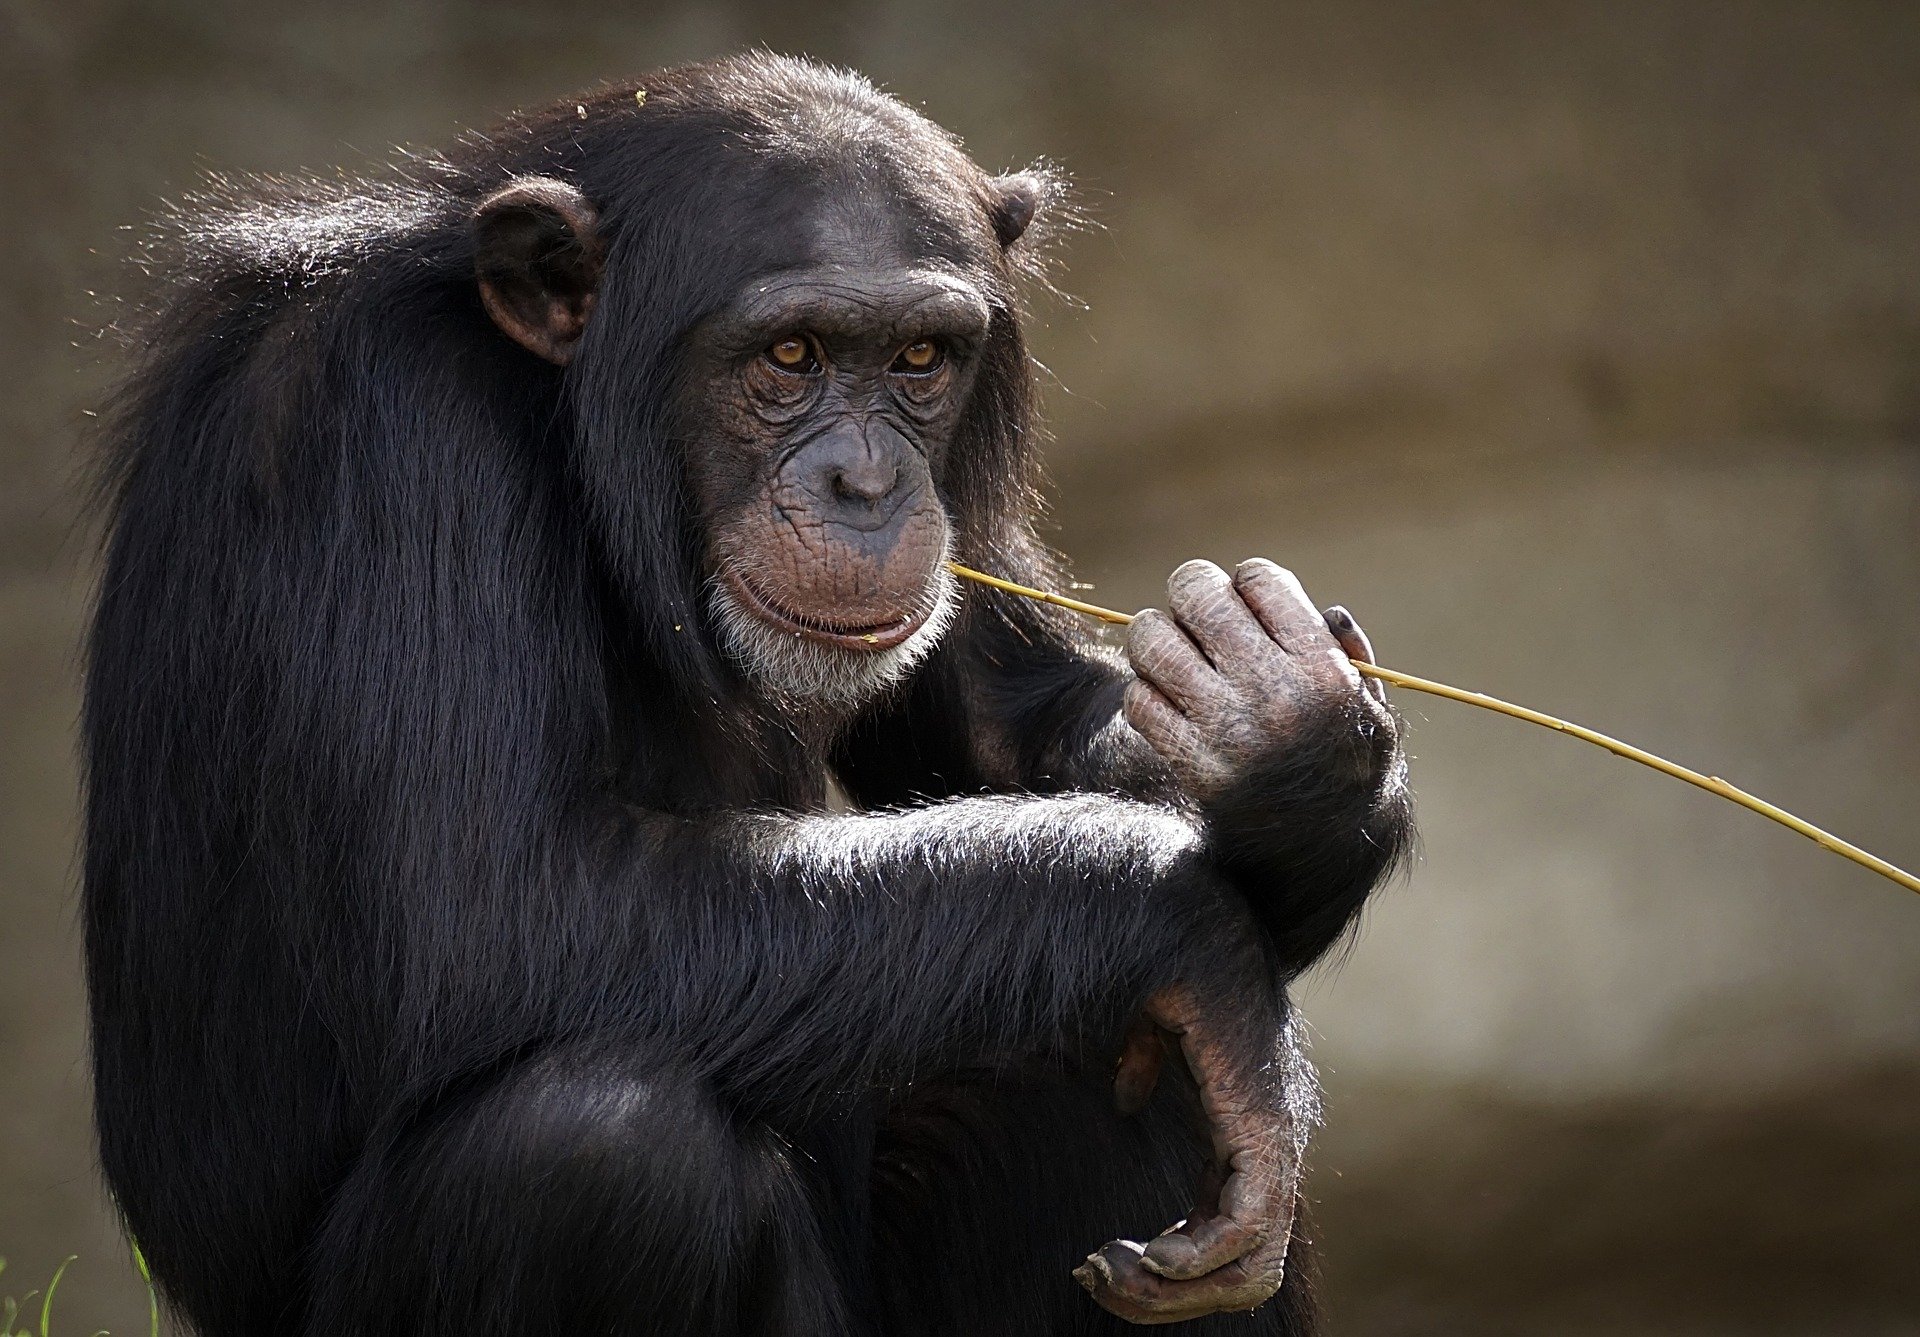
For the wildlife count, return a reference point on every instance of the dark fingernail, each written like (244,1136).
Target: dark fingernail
(1339,618)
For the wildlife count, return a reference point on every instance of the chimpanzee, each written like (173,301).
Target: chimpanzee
(510,561)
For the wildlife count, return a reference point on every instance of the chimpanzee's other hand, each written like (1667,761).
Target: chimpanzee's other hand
(1259,1099)
(1239,669)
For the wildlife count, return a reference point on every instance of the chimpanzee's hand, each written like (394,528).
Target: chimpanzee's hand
(1260,1099)
(1243,680)
(1239,668)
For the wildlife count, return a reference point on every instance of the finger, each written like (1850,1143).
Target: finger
(1255,1205)
(1155,719)
(1142,1055)
(1346,631)
(1255,1140)
(1202,599)
(1354,641)
(1162,655)
(1123,1287)
(1278,600)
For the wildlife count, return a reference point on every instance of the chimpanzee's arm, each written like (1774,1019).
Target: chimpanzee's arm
(1294,765)
(1243,711)
(795,957)
(788,960)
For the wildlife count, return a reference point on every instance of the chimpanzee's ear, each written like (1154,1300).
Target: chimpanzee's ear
(1012,202)
(537,255)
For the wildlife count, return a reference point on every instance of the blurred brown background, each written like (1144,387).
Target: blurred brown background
(1576,347)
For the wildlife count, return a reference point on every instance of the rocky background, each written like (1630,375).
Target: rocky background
(1575,347)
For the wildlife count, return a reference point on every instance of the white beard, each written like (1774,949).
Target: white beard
(802,674)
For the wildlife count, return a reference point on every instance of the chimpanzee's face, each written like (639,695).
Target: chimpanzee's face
(816,409)
(825,400)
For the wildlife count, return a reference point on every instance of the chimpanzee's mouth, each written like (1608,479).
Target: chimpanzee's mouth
(843,635)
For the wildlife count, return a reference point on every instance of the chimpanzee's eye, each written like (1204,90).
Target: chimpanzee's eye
(919,357)
(794,354)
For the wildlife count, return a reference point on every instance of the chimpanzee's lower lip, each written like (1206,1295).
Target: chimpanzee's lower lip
(878,636)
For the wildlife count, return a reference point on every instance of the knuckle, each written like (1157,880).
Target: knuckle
(1196,579)
(1211,609)
(1152,657)
(1274,579)
(1148,623)
(1141,708)
(1148,631)
(1264,568)
(1197,568)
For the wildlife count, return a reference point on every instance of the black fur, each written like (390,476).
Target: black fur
(468,948)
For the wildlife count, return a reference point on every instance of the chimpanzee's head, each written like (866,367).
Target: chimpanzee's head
(820,391)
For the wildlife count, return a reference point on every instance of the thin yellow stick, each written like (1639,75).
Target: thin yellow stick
(1713,784)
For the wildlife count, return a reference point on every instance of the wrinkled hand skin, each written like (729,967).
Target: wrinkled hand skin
(1238,669)
(1230,1253)
(1239,666)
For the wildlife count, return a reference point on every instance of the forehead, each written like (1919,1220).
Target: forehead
(865,246)
(860,181)
(839,200)
(879,216)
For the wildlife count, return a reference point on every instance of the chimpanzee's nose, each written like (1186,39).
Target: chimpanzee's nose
(869,478)
(856,469)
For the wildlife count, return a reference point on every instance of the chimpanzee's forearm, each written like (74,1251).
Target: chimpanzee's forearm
(838,953)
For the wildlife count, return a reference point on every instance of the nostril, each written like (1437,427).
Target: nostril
(870,481)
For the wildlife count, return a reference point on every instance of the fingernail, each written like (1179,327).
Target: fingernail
(1094,1271)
